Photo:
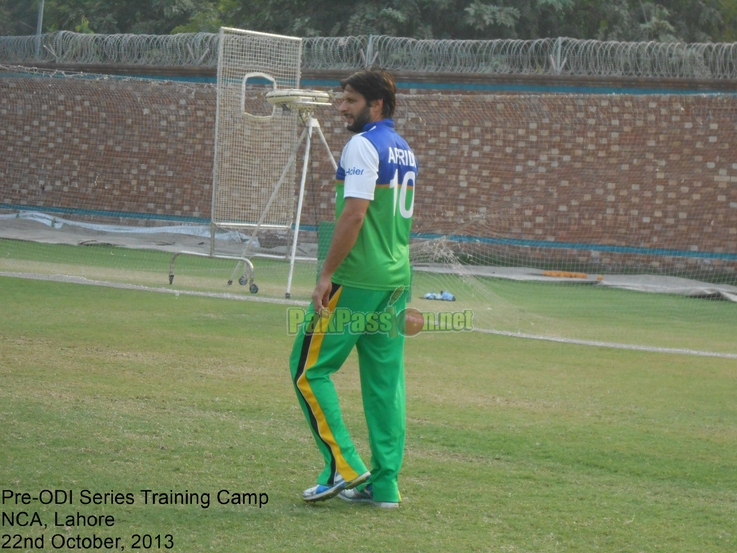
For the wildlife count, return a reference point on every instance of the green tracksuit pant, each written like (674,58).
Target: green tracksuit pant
(364,319)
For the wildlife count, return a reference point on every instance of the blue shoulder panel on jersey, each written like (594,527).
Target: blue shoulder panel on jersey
(395,156)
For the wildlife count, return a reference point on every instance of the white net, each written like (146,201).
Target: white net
(252,152)
(106,178)
(602,185)
(599,185)
(537,211)
(523,201)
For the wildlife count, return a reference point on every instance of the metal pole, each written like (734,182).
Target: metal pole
(214,212)
(325,143)
(39,25)
(311,124)
(213,229)
(370,52)
(254,234)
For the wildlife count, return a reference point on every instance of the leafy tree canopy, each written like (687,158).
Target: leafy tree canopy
(624,20)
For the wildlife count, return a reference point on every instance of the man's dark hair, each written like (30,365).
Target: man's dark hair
(374,84)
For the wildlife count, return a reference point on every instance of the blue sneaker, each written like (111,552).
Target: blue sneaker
(366,495)
(322,492)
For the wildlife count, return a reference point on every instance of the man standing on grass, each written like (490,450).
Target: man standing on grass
(366,274)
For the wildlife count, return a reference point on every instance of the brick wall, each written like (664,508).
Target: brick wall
(621,171)
(628,172)
(107,145)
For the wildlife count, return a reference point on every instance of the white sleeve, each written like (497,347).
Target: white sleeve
(360,160)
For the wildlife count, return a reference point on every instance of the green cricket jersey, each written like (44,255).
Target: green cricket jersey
(378,165)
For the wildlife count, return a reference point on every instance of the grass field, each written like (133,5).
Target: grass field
(513,445)
(569,311)
(151,268)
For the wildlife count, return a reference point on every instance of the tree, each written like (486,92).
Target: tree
(18,17)
(623,20)
(728,28)
(694,20)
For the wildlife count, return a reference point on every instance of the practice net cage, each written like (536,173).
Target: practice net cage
(537,212)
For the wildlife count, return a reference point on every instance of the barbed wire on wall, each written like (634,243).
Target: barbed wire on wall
(550,56)
(64,47)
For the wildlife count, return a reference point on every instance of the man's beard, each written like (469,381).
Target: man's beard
(363,117)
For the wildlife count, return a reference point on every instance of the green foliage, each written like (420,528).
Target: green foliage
(102,16)
(613,20)
(623,20)
(728,28)
(18,17)
(656,26)
(482,16)
(84,27)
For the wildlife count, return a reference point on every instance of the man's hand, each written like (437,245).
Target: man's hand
(321,295)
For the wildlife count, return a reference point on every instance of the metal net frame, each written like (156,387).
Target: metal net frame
(250,153)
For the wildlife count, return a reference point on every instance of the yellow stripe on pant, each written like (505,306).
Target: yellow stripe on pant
(323,429)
